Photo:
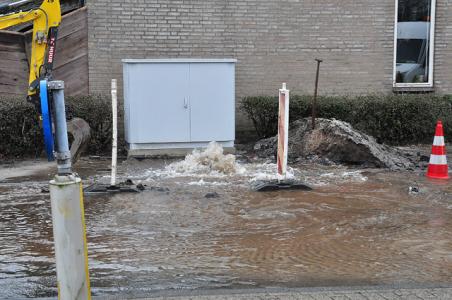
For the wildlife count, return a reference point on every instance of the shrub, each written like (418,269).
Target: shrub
(262,110)
(96,110)
(19,130)
(392,119)
(21,135)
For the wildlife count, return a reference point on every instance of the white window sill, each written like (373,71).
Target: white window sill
(413,88)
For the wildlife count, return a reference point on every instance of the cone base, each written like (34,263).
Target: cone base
(438,176)
(438,171)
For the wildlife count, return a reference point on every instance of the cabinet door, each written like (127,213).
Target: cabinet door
(212,102)
(158,103)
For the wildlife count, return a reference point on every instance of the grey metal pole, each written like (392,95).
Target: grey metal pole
(66,198)
(63,154)
(314,102)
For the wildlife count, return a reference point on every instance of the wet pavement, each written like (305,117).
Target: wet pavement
(358,227)
(366,293)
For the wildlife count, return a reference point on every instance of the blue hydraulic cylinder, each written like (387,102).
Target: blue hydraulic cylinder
(46,120)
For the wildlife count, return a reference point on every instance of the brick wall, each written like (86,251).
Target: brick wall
(274,41)
(443,47)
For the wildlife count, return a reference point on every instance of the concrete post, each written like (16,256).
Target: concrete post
(66,196)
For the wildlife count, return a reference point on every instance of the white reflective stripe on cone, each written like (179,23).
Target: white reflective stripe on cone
(438,159)
(438,141)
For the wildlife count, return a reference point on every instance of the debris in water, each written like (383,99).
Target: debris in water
(413,190)
(107,189)
(141,187)
(277,185)
(160,189)
(212,195)
(127,186)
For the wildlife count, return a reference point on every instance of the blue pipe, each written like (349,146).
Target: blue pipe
(46,120)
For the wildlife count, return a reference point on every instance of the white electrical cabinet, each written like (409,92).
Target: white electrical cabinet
(174,105)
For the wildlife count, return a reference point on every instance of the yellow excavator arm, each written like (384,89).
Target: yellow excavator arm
(46,20)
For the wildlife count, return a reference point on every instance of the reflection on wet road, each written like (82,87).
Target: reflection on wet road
(356,228)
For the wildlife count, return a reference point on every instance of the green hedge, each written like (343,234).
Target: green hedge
(21,136)
(96,110)
(391,119)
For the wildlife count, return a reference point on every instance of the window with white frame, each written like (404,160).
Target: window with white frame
(414,43)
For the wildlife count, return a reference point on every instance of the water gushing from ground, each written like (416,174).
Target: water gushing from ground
(211,162)
(356,227)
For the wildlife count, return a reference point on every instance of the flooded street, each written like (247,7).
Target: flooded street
(357,227)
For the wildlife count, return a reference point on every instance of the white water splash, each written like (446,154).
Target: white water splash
(354,176)
(212,167)
(212,162)
(202,182)
(267,171)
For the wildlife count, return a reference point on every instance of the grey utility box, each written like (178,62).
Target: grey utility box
(174,105)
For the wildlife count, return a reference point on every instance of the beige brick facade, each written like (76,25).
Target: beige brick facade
(273,41)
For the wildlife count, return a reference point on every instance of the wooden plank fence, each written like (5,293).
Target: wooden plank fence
(13,64)
(71,60)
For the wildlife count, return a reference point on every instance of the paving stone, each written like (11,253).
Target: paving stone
(340,297)
(357,296)
(375,294)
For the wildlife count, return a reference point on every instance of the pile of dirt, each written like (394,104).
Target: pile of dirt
(335,141)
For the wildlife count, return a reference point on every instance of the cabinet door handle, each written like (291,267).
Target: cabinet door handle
(186,102)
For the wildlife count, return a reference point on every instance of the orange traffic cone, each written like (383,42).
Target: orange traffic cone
(437,168)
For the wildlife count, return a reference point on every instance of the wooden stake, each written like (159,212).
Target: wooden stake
(283,130)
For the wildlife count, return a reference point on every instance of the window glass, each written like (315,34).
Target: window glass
(413,48)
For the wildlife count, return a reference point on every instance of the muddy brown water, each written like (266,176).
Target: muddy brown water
(358,227)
